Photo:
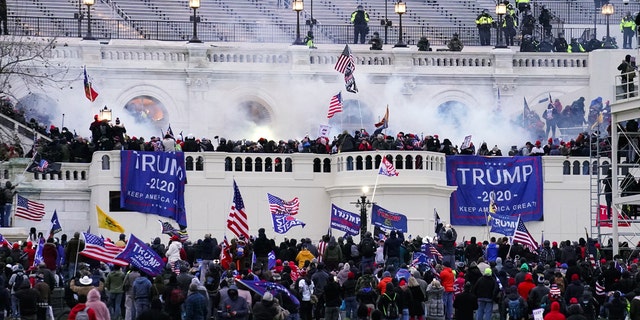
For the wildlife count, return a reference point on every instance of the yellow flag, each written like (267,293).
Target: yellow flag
(106,222)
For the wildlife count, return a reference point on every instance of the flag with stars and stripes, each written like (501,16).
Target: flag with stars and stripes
(521,235)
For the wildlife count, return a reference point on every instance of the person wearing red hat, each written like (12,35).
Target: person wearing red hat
(173,252)
(537,149)
(575,289)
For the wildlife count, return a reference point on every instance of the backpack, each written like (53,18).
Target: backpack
(368,247)
(354,251)
(177,296)
(391,310)
(515,309)
(17,282)
(83,314)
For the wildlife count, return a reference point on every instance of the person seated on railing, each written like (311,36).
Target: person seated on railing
(423,44)
(376,42)
(455,44)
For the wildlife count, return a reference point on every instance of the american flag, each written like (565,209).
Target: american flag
(29,210)
(237,222)
(387,169)
(279,206)
(96,248)
(43,165)
(345,60)
(335,105)
(522,236)
(600,289)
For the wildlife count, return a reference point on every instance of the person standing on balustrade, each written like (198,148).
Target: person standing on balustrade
(628,29)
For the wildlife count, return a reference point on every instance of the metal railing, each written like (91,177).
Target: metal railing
(232,32)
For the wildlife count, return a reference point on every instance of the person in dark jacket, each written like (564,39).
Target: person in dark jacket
(332,300)
(465,303)
(265,309)
(360,20)
(392,248)
(485,289)
(447,238)
(155,312)
(616,309)
(472,252)
(262,247)
(574,289)
(349,293)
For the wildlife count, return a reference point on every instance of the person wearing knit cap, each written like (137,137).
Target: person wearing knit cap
(173,251)
(555,313)
(265,309)
(574,289)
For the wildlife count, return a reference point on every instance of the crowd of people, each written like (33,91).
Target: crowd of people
(374,278)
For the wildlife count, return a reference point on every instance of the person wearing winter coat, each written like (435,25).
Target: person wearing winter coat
(332,255)
(465,303)
(555,313)
(513,295)
(616,308)
(485,289)
(435,305)
(416,308)
(99,307)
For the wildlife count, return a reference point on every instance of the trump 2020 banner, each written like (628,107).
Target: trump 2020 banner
(503,224)
(140,255)
(153,182)
(388,220)
(344,220)
(514,184)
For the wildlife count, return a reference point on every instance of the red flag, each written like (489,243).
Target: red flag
(384,123)
(89,92)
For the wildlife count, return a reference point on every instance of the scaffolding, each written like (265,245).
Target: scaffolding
(615,167)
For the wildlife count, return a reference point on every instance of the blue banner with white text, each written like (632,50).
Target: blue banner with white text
(388,220)
(154,182)
(344,220)
(503,224)
(512,184)
(140,255)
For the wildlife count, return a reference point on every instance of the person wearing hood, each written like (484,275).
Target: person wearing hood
(265,309)
(435,305)
(232,307)
(50,254)
(525,287)
(486,290)
(509,303)
(555,313)
(142,293)
(473,273)
(332,255)
(499,265)
(634,309)
(99,307)
(472,251)
(158,247)
(524,270)
(195,306)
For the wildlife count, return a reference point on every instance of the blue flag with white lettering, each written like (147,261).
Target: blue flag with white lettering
(503,224)
(344,220)
(154,182)
(271,260)
(140,255)
(388,220)
(514,184)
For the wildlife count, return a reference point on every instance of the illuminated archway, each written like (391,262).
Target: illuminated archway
(147,109)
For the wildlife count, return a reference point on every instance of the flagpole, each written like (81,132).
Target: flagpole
(375,186)
(360,111)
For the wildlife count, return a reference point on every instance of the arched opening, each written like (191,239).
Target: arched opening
(452,113)
(147,110)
